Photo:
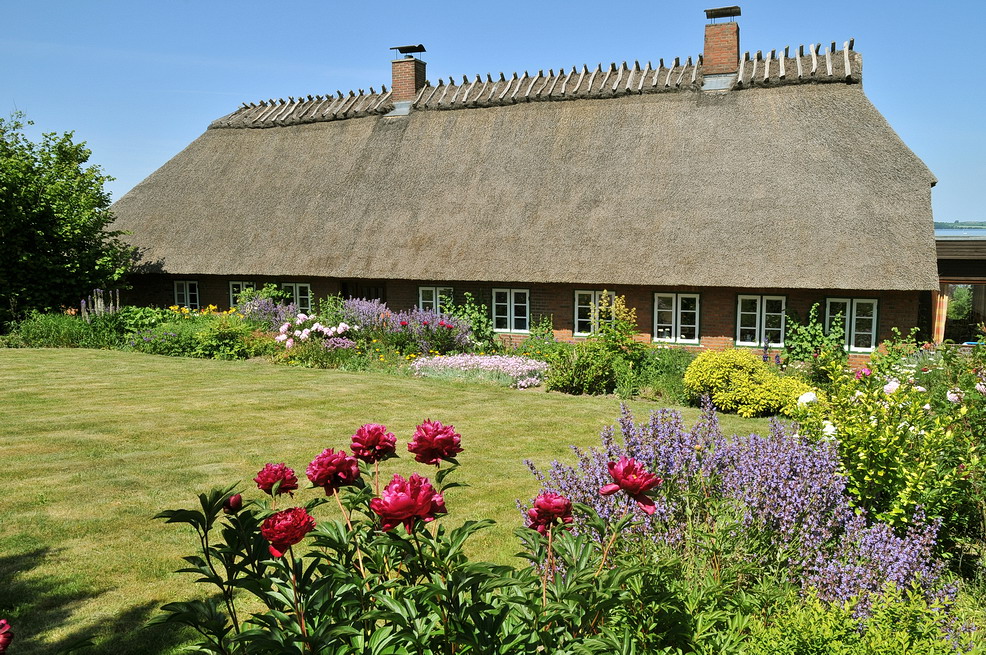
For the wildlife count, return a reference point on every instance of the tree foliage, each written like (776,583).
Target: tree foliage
(54,215)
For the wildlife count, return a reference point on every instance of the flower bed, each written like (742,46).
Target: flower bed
(518,372)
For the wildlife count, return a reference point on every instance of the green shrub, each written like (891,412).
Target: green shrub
(40,330)
(901,624)
(738,381)
(661,375)
(588,367)
(815,352)
(481,324)
(175,338)
(223,337)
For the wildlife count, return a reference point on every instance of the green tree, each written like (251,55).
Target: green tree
(54,215)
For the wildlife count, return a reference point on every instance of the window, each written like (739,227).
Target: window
(301,294)
(676,317)
(760,319)
(858,321)
(587,310)
(187,293)
(236,288)
(511,310)
(434,298)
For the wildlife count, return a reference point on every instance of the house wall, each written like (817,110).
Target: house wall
(717,317)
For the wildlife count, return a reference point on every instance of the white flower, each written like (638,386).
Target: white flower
(918,387)
(343,327)
(891,386)
(807,397)
(281,337)
(954,395)
(981,387)
(302,318)
(828,429)
(284,328)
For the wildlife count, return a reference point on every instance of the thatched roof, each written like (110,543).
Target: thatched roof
(639,178)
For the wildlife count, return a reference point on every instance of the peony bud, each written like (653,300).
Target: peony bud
(233,504)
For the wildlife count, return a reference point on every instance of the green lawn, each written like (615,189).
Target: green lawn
(96,442)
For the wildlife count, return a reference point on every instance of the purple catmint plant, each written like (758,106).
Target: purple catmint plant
(787,488)
(268,313)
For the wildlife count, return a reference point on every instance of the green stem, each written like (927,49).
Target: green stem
(298,609)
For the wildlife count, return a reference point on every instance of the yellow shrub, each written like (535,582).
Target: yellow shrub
(739,381)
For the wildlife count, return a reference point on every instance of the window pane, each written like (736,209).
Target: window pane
(772,322)
(863,340)
(773,306)
(501,322)
(665,317)
(750,305)
(748,335)
(500,297)
(688,303)
(688,332)
(774,336)
(749,321)
(663,332)
(864,309)
(665,302)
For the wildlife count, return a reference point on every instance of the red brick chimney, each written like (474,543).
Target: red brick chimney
(408,78)
(721,45)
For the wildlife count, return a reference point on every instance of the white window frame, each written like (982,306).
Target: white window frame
(243,286)
(437,293)
(761,313)
(593,306)
(187,293)
(849,322)
(676,317)
(507,311)
(303,301)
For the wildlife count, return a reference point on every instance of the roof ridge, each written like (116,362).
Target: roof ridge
(615,80)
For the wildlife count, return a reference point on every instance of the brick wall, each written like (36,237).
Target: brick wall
(717,309)
(407,76)
(721,49)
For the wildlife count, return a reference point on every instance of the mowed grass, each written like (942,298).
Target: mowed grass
(95,443)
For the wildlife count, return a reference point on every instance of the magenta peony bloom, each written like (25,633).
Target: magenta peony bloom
(549,509)
(863,372)
(6,635)
(433,442)
(271,474)
(403,501)
(332,470)
(632,478)
(286,528)
(372,443)
(233,504)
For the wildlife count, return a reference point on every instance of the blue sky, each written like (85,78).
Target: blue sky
(139,80)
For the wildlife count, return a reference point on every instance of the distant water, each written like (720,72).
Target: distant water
(966,232)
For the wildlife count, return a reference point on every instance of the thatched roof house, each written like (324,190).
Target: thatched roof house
(723,190)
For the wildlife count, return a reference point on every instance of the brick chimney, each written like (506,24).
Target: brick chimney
(721,43)
(408,78)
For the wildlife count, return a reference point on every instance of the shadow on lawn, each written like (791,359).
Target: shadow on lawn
(34,604)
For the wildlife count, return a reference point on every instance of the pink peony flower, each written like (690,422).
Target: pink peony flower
(404,501)
(289,343)
(6,635)
(632,478)
(549,509)
(891,386)
(286,528)
(424,322)
(863,372)
(981,387)
(233,504)
(955,396)
(271,474)
(403,323)
(332,470)
(372,443)
(433,441)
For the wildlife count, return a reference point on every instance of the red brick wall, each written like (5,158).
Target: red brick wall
(408,76)
(721,49)
(717,310)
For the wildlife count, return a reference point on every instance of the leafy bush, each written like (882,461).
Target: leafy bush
(364,584)
(477,316)
(777,501)
(174,338)
(65,331)
(225,337)
(737,381)
(662,372)
(899,454)
(808,344)
(901,622)
(608,360)
(541,342)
